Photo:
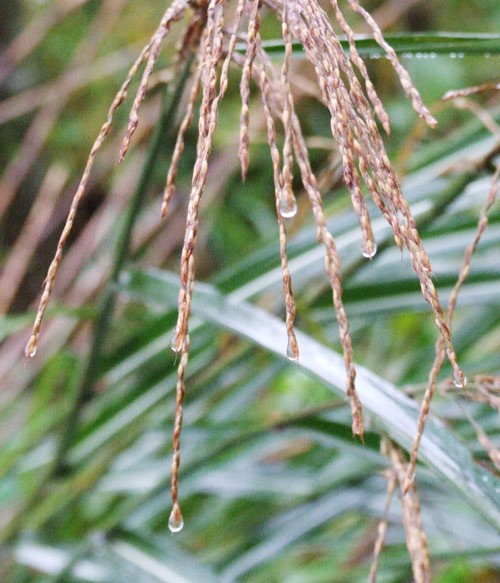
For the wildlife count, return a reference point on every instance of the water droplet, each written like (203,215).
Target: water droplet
(30,349)
(369,249)
(288,207)
(176,343)
(484,478)
(292,351)
(175,522)
(457,380)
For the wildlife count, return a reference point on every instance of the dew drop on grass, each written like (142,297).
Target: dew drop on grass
(369,250)
(288,207)
(175,345)
(457,381)
(292,352)
(175,522)
(30,350)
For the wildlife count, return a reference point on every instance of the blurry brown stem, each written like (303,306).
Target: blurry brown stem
(382,526)
(32,232)
(45,119)
(34,33)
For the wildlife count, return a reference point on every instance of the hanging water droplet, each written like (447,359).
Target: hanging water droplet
(369,249)
(175,522)
(292,351)
(288,206)
(30,349)
(176,344)
(458,382)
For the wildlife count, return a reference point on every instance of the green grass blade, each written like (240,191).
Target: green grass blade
(393,412)
(410,45)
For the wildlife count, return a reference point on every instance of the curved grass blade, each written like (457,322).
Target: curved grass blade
(393,413)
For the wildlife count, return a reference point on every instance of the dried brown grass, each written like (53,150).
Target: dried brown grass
(354,107)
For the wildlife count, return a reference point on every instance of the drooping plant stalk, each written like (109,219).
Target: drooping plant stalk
(353,105)
(100,328)
(440,347)
(416,540)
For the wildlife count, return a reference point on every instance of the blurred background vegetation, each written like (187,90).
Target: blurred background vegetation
(274,487)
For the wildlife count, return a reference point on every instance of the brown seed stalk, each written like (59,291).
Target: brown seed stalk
(382,526)
(32,344)
(290,309)
(406,82)
(174,12)
(169,189)
(440,343)
(416,540)
(246,75)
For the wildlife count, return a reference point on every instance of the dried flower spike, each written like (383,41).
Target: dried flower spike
(353,105)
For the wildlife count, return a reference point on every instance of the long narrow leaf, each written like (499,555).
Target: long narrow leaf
(393,412)
(417,44)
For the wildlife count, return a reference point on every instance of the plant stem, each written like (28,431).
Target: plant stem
(163,133)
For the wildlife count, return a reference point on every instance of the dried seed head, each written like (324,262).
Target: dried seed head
(50,278)
(174,12)
(246,75)
(169,190)
(416,540)
(265,89)
(404,77)
(353,109)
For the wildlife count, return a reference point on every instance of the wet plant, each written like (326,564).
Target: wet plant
(215,36)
